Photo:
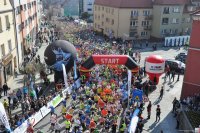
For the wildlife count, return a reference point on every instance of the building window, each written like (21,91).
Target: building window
(165,21)
(19,28)
(95,8)
(99,8)
(95,25)
(21,7)
(7,22)
(183,20)
(3,49)
(132,33)
(18,10)
(143,33)
(5,2)
(107,19)
(102,8)
(171,31)
(175,21)
(9,46)
(95,16)
(102,23)
(112,12)
(113,22)
(134,13)
(24,7)
(26,23)
(176,31)
(146,13)
(164,31)
(98,17)
(102,15)
(134,23)
(166,10)
(106,10)
(0,26)
(188,20)
(145,23)
(89,9)
(176,9)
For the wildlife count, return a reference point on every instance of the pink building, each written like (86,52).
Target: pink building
(191,84)
(26,19)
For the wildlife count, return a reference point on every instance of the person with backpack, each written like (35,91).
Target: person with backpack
(158,112)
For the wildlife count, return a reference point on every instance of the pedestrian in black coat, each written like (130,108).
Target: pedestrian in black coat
(5,89)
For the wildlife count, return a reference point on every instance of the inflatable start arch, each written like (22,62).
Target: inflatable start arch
(108,60)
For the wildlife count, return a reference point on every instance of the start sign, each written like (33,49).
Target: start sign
(109,60)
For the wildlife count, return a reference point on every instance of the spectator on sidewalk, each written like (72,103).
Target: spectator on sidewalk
(149,110)
(158,112)
(161,92)
(19,94)
(10,95)
(5,89)
(1,90)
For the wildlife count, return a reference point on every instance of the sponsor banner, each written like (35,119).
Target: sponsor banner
(56,101)
(44,110)
(155,67)
(41,114)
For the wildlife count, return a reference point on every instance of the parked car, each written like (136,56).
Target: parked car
(176,65)
(181,57)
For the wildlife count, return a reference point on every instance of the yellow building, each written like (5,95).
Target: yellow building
(142,19)
(127,19)
(8,49)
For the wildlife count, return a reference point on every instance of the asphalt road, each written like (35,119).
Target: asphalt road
(167,122)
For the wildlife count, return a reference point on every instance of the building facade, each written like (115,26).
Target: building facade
(191,83)
(127,19)
(88,6)
(26,20)
(171,18)
(8,45)
(143,19)
(71,8)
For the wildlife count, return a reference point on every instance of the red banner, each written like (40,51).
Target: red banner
(110,59)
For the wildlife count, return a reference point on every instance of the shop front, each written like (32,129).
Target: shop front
(7,67)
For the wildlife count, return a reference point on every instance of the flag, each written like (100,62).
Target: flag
(3,117)
(129,84)
(75,71)
(65,76)
(137,95)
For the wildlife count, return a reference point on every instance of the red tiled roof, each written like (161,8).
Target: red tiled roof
(125,3)
(171,2)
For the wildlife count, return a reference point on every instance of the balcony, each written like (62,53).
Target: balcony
(147,27)
(134,17)
(133,28)
(149,17)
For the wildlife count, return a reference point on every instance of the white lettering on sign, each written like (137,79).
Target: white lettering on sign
(109,61)
(155,67)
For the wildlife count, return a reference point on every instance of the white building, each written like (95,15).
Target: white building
(88,6)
